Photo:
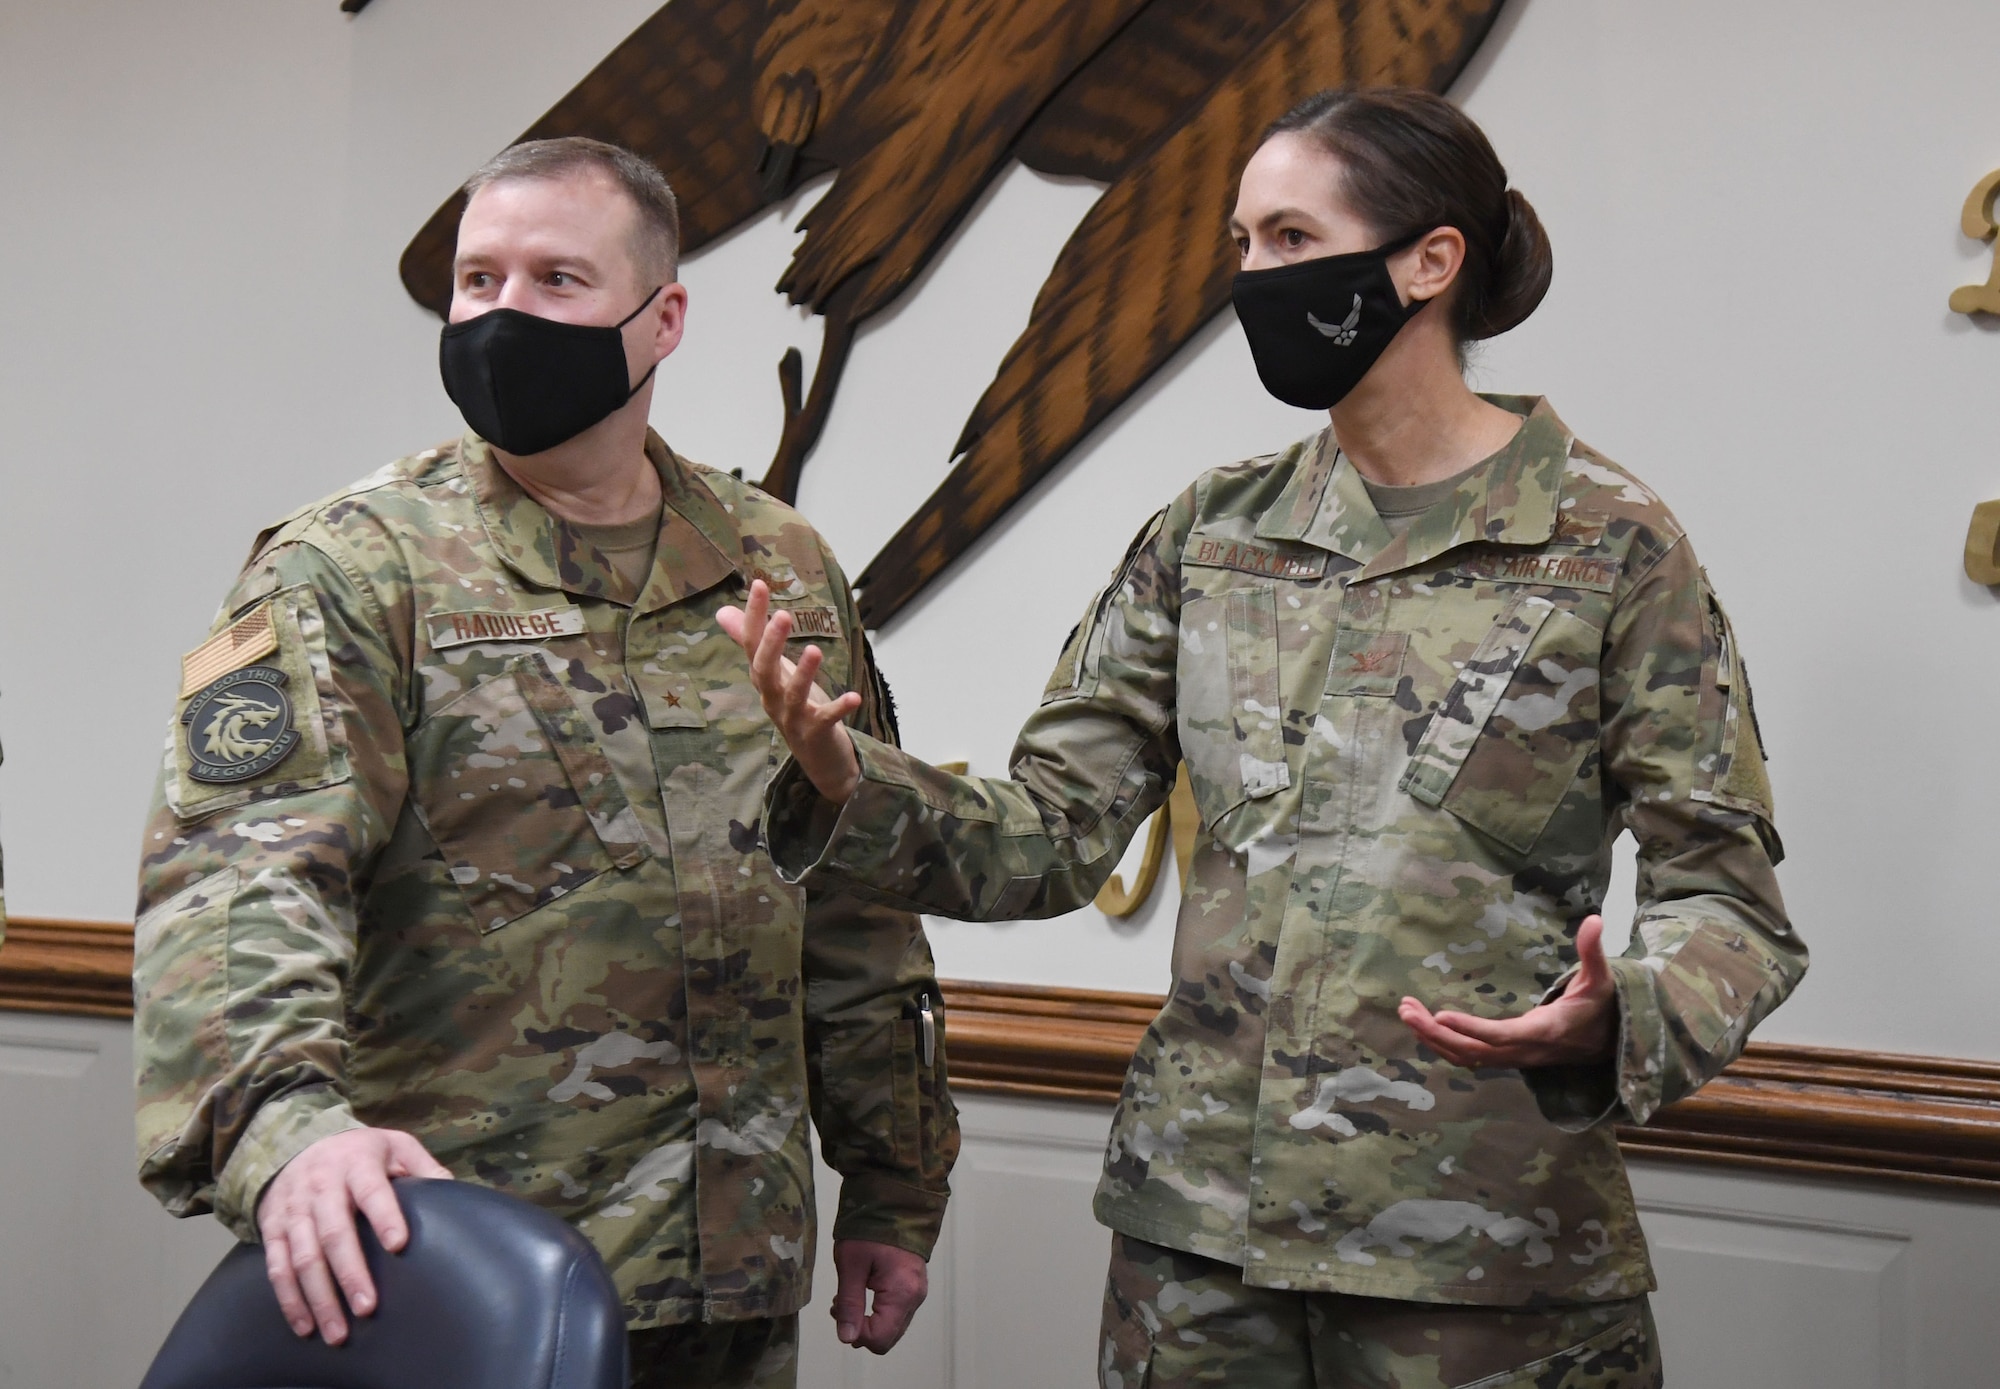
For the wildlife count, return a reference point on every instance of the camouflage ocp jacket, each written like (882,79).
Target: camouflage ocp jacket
(1411,756)
(455,837)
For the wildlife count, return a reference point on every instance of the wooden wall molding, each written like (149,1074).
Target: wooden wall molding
(1825,1111)
(1788,1109)
(55,966)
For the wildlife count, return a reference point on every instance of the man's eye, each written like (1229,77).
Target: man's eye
(560,278)
(1292,238)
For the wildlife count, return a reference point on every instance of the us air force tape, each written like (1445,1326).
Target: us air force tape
(239,725)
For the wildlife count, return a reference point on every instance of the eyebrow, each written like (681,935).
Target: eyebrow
(1286,214)
(583,265)
(1282,214)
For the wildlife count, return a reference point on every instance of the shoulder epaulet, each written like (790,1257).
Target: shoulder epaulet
(292,524)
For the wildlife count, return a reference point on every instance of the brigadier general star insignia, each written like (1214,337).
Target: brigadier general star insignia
(239,725)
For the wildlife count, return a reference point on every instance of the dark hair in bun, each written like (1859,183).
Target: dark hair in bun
(1413,162)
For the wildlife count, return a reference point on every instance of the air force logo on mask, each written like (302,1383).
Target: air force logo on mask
(1342,333)
(239,726)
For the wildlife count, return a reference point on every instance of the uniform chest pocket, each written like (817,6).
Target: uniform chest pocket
(1514,729)
(519,797)
(1230,705)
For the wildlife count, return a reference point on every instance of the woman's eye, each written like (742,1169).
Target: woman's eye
(1292,238)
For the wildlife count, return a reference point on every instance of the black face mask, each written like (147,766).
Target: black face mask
(526,384)
(1315,327)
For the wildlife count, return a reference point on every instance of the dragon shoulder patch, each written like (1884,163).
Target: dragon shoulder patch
(239,726)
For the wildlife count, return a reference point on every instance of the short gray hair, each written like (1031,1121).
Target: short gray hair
(657,248)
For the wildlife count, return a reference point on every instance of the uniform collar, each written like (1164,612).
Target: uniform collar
(697,537)
(1510,499)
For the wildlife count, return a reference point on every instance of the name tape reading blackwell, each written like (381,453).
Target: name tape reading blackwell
(1253,559)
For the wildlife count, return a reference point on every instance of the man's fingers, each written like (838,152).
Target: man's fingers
(767,657)
(315,1281)
(799,688)
(341,1244)
(755,609)
(285,1283)
(894,1306)
(377,1200)
(731,621)
(850,1300)
(409,1158)
(832,712)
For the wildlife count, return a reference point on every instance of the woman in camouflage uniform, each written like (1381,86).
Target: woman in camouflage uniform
(1423,669)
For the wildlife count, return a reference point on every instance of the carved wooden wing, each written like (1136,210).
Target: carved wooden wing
(1150,262)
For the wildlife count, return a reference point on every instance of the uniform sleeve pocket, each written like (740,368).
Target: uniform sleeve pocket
(1733,773)
(1515,727)
(178,991)
(520,799)
(1230,708)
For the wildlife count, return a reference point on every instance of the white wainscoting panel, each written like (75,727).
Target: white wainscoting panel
(1765,1283)
(1017,1279)
(92,1272)
(1809,1284)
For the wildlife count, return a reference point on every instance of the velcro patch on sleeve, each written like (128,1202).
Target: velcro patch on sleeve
(1254,559)
(250,638)
(457,629)
(810,621)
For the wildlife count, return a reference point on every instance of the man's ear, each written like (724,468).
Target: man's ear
(672,321)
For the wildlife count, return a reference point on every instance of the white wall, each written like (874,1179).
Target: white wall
(1755,214)
(1754,209)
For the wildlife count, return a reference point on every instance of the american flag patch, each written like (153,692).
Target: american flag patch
(247,639)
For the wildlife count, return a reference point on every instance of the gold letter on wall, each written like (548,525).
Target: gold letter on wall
(1177,818)
(1977,222)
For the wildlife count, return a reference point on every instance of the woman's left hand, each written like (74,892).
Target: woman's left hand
(1580,1026)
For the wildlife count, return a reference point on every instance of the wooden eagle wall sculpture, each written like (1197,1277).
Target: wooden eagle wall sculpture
(919,104)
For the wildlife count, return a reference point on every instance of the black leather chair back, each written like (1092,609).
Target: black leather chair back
(490,1293)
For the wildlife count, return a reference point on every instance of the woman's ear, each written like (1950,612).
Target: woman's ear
(1428,268)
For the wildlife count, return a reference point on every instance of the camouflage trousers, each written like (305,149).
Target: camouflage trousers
(718,1355)
(1173,1320)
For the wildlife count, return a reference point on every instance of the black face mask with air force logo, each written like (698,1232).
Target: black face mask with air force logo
(526,384)
(1316,326)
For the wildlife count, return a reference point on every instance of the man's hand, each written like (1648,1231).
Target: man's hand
(807,720)
(1580,1026)
(899,1281)
(306,1217)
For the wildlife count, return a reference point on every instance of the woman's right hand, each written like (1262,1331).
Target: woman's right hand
(809,722)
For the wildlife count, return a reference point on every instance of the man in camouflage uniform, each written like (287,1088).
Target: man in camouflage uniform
(1412,750)
(454,867)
